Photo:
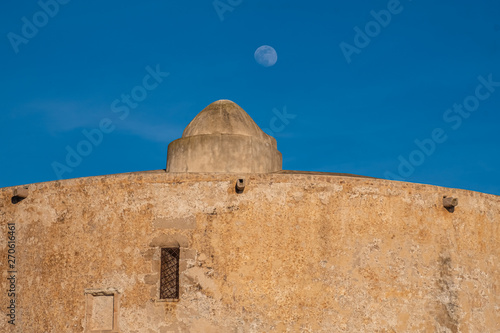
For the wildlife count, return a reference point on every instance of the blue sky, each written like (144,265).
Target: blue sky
(368,87)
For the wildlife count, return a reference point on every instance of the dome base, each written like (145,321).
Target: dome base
(226,153)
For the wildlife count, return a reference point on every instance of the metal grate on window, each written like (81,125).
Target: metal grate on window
(169,283)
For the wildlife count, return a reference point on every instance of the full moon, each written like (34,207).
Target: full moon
(266,56)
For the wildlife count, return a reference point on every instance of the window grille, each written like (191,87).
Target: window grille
(169,283)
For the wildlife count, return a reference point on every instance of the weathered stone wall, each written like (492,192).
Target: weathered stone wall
(292,253)
(223,153)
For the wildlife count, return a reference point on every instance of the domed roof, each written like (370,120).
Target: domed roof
(223,138)
(224,117)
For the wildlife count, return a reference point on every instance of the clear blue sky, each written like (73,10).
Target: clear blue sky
(364,80)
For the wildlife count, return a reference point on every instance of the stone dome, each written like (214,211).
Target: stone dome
(225,117)
(223,138)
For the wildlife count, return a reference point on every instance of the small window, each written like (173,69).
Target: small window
(169,283)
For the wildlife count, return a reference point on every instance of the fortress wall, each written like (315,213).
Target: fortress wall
(292,253)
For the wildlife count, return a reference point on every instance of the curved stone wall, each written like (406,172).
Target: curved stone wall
(291,253)
(223,154)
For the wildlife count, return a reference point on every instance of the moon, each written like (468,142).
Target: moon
(266,56)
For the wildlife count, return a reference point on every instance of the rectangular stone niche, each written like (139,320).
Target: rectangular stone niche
(101,311)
